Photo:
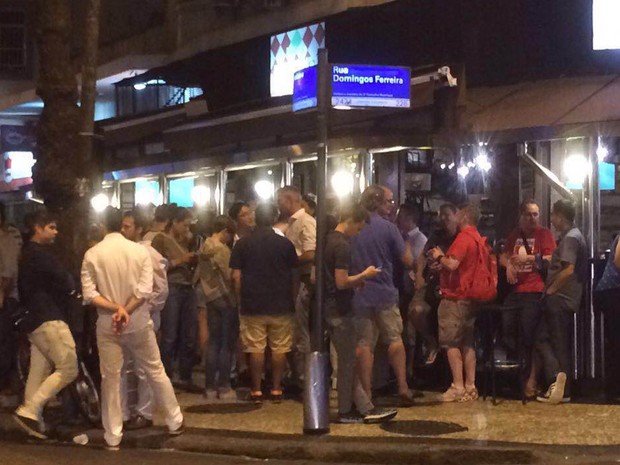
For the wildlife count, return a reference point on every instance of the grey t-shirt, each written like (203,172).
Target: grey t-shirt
(571,249)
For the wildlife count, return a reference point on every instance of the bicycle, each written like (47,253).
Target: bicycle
(84,390)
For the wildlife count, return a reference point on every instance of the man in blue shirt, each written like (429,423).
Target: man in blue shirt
(376,309)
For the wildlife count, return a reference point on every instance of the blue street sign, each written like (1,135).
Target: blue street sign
(370,86)
(304,89)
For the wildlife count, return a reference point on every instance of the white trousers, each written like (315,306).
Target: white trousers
(51,348)
(137,377)
(142,345)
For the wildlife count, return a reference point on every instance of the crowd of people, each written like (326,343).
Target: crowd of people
(242,298)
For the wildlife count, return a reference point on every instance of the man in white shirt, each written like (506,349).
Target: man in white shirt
(302,233)
(117,277)
(134,224)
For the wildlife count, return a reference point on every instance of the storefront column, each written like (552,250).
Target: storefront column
(163,190)
(115,200)
(367,169)
(287,173)
(593,233)
(220,191)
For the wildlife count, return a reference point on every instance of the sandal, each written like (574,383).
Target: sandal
(471,394)
(453,394)
(256,397)
(276,396)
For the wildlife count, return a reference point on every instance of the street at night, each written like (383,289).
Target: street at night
(309,232)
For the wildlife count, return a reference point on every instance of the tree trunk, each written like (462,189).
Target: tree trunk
(59,163)
(90,44)
(63,172)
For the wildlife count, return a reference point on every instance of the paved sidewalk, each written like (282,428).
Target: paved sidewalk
(429,433)
(509,421)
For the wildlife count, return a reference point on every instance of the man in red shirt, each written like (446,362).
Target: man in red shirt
(457,314)
(527,247)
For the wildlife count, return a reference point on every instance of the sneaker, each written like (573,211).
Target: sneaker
(555,393)
(350,417)
(545,399)
(228,395)
(210,395)
(453,394)
(138,422)
(31,427)
(178,431)
(380,415)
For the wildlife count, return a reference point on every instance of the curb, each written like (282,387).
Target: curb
(397,451)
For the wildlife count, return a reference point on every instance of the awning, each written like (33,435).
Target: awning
(559,106)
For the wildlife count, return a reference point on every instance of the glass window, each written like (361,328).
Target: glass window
(180,191)
(146,192)
(12,40)
(252,185)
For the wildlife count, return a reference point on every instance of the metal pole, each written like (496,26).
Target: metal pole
(316,381)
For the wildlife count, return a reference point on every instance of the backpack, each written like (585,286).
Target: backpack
(484,286)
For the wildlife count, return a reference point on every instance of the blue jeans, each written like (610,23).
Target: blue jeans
(223,324)
(179,319)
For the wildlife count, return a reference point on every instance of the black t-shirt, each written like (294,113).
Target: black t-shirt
(337,257)
(44,286)
(266,261)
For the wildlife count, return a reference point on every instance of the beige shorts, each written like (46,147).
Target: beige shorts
(456,323)
(258,331)
(372,324)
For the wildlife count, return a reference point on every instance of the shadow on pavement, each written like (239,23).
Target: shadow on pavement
(422,428)
(223,408)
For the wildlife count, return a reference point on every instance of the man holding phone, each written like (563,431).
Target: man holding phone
(180,314)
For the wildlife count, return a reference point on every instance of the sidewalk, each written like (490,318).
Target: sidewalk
(429,433)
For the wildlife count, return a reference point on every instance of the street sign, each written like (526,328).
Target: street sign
(304,89)
(370,86)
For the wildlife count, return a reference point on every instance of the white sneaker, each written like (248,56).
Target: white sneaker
(210,395)
(555,393)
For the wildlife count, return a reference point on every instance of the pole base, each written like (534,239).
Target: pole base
(316,394)
(316,432)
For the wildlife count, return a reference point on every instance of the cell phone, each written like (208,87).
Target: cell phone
(380,267)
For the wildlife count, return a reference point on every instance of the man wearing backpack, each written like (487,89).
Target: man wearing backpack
(464,278)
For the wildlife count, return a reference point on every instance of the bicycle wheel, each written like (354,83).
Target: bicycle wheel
(86,395)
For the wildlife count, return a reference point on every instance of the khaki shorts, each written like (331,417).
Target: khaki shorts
(374,323)
(257,331)
(456,323)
